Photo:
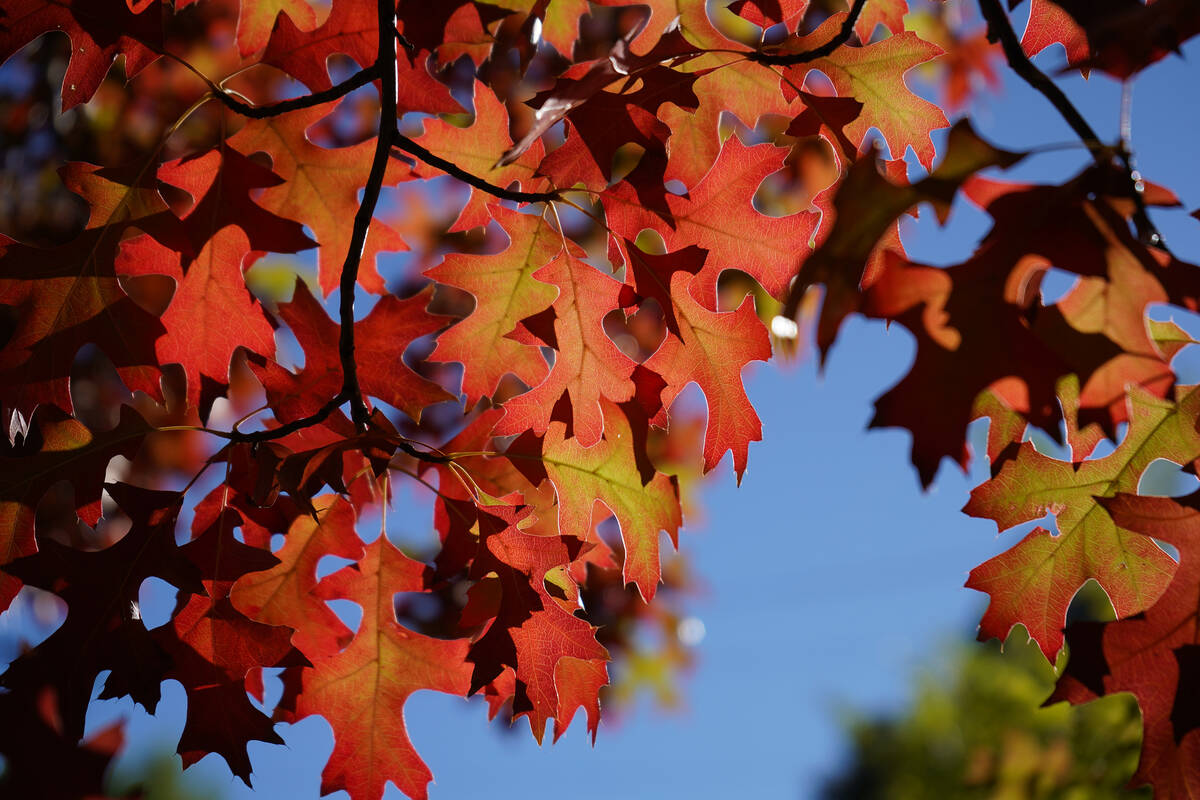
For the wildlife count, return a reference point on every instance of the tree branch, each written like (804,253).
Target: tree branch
(1001,30)
(389,138)
(360,78)
(290,427)
(826,49)
(384,69)
(407,145)
(385,66)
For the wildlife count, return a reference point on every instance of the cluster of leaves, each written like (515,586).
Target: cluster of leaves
(529,367)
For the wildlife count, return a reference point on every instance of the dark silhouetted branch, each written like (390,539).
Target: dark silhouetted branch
(360,78)
(1000,30)
(407,145)
(843,36)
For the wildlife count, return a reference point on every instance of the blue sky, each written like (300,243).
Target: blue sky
(830,576)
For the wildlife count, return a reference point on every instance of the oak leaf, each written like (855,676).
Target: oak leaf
(606,472)
(505,293)
(1154,654)
(361,690)
(256,19)
(101,591)
(1033,582)
(382,337)
(54,446)
(717,216)
(711,349)
(478,150)
(283,595)
(888,13)
(211,313)
(221,183)
(1049,23)
(874,75)
(588,366)
(100,30)
(320,189)
(70,295)
(531,630)
(213,648)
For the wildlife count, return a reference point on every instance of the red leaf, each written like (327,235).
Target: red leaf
(532,631)
(320,189)
(888,13)
(351,29)
(505,293)
(211,314)
(1050,24)
(100,30)
(69,295)
(381,339)
(718,217)
(860,223)
(651,274)
(578,683)
(609,473)
(303,51)
(711,350)
(256,19)
(1152,655)
(101,592)
(601,122)
(588,366)
(765,13)
(1125,36)
(361,691)
(213,647)
(478,149)
(980,324)
(283,595)
(220,182)
(874,75)
(1033,582)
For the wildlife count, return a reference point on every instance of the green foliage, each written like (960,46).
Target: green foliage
(159,776)
(976,730)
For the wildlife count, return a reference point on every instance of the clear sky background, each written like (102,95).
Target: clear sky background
(829,575)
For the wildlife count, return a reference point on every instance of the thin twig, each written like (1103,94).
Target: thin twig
(290,427)
(1001,30)
(397,140)
(843,36)
(405,43)
(360,78)
(407,145)
(423,455)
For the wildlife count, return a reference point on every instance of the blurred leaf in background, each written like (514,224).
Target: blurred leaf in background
(159,776)
(975,730)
